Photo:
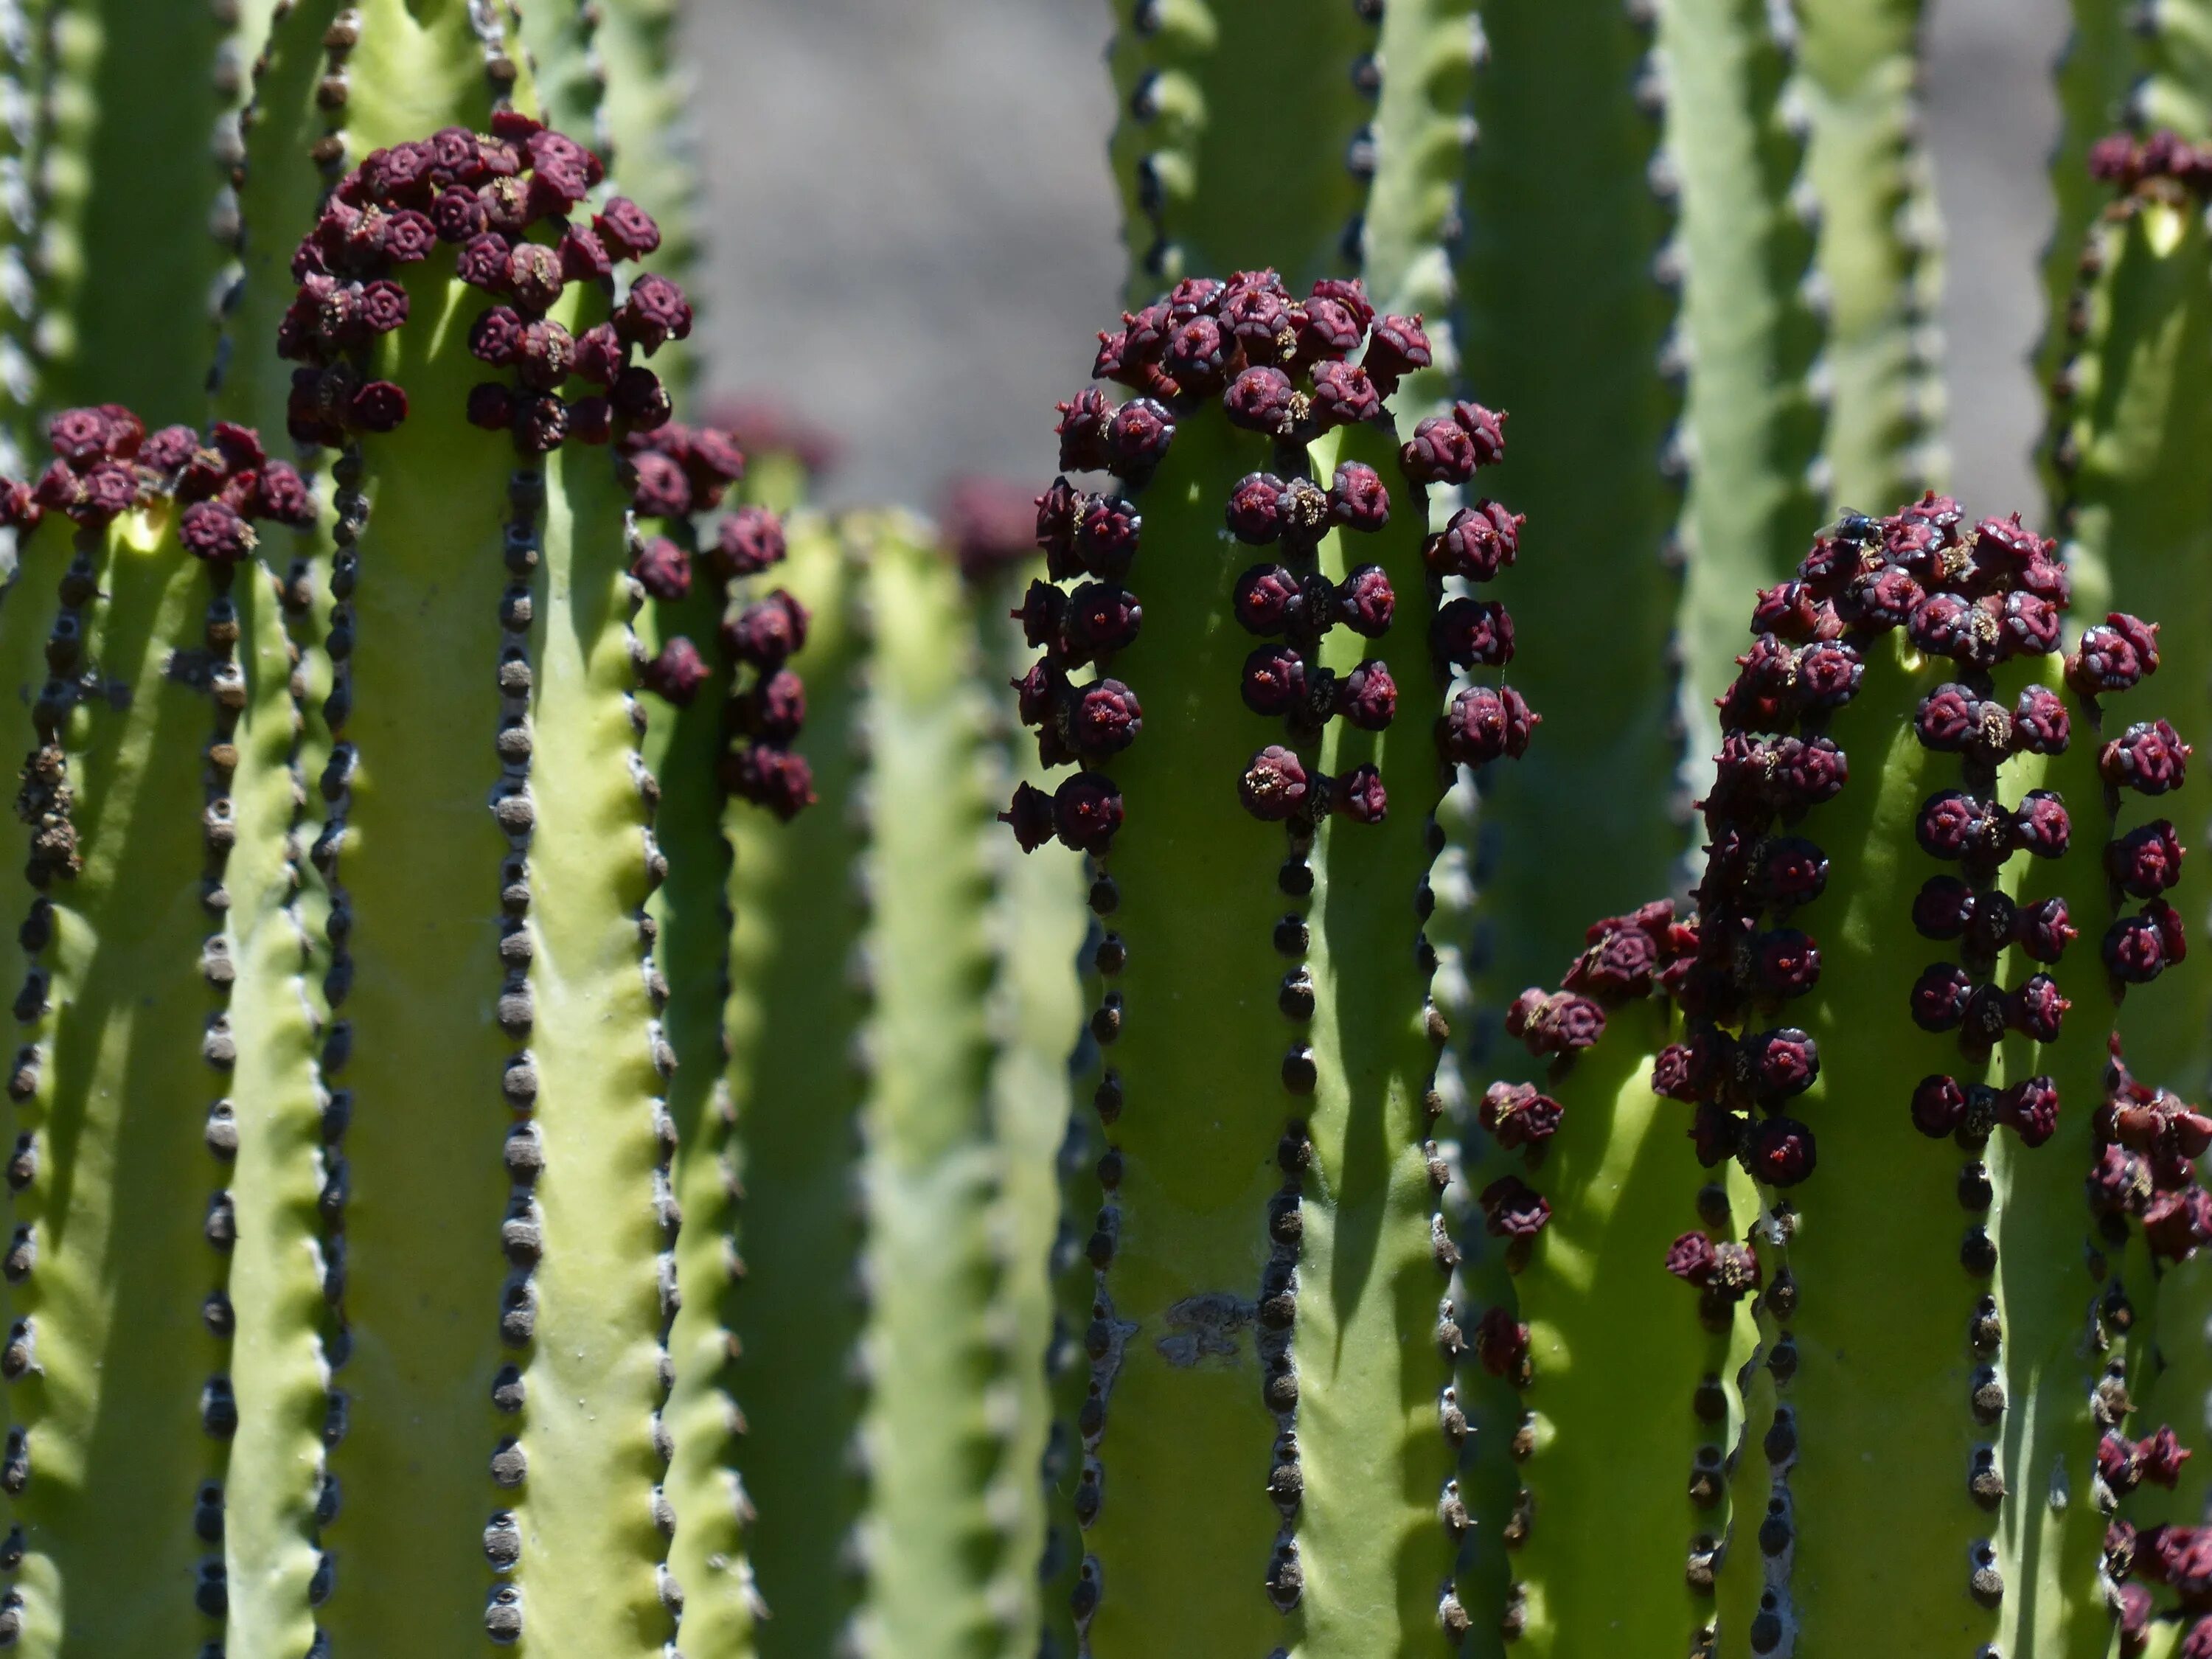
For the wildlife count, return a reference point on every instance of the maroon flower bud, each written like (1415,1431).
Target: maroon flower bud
(1138,437)
(2041,825)
(379,406)
(1471,633)
(1368,697)
(1351,294)
(655,313)
(1946,625)
(1196,355)
(1879,600)
(1360,795)
(1275,786)
(2177,1223)
(2105,662)
(2043,930)
(1715,1134)
(2150,758)
(1259,509)
(583,257)
(2147,861)
(1501,1343)
(1512,1209)
(1691,1259)
(1947,718)
(1274,681)
(776,708)
(1953,824)
(458,217)
(641,399)
(1620,962)
(169,450)
(1942,907)
(1343,396)
(1940,995)
(1828,674)
(628,229)
(1557,1024)
(676,675)
(281,494)
(2118,1182)
(1106,538)
(713,458)
(1939,1106)
(1103,718)
(1256,309)
(1478,543)
(2161,1457)
(2134,950)
(2039,722)
(660,487)
(1270,600)
(400,171)
(663,569)
(1439,451)
(1259,400)
(773,778)
(1366,602)
(2037,1009)
(2172,932)
(491,406)
(1779,1065)
(1057,511)
(1792,871)
(1037,692)
(1782,1152)
(601,356)
(1676,1074)
(1486,431)
(1483,725)
(79,436)
(1786,962)
(1357,499)
(383,306)
(1042,612)
(1082,430)
(1327,328)
(543,355)
(765,633)
(1086,812)
(1519,1115)
(1101,619)
(533,277)
(1763,696)
(1806,774)
(2030,625)
(1395,348)
(482,262)
(212,531)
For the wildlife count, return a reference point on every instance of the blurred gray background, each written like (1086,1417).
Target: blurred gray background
(915,235)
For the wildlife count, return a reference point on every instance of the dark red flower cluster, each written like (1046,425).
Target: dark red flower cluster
(507,203)
(105,464)
(2148,1145)
(1281,367)
(2135,164)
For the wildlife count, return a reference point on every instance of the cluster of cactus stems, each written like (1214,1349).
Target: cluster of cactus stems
(634,1160)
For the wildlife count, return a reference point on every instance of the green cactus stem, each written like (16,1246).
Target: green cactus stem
(156,787)
(1213,178)
(2132,416)
(1879,256)
(1269,1261)
(23,42)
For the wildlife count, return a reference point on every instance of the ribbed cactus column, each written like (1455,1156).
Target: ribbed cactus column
(1880,254)
(1213,177)
(1267,1438)
(154,726)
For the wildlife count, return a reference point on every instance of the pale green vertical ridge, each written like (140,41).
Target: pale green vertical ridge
(23,84)
(2177,91)
(1879,258)
(645,122)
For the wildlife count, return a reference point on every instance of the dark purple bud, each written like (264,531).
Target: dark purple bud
(1763,698)
(1620,961)
(2030,1109)
(543,355)
(169,450)
(408,236)
(1259,509)
(601,356)
(1785,963)
(1943,907)
(2148,757)
(2177,1223)
(1270,600)
(483,262)
(1103,718)
(2134,950)
(1691,1259)
(1946,625)
(1792,871)
(1260,400)
(763,634)
(592,420)
(1137,438)
(640,398)
(1478,543)
(1367,697)
(583,257)
(1715,1133)
(383,306)
(1879,600)
(2142,635)
(1676,1073)
(1485,430)
(1086,812)
(660,488)
(79,436)
(1953,824)
(2036,1010)
(1082,429)
(1828,674)
(541,424)
(533,277)
(379,406)
(1275,786)
(2118,1182)
(1030,814)
(1327,328)
(1360,795)
(1806,774)
(1947,718)
(1483,725)
(2105,662)
(491,406)
(1195,296)
(663,569)
(1343,396)
(2147,861)
(1554,1024)
(2031,625)
(1779,1065)
(458,217)
(1366,602)
(1940,995)
(1501,1343)
(776,708)
(1100,619)
(1519,1115)
(1471,633)
(628,229)
(1395,348)
(1782,1152)
(1358,500)
(747,541)
(676,675)
(281,494)
(2172,930)
(2039,722)
(1197,355)
(1439,451)
(213,532)
(2041,825)
(1037,691)
(1274,681)
(1939,1106)
(1106,537)
(655,313)
(1512,1209)
(2043,930)
(775,778)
